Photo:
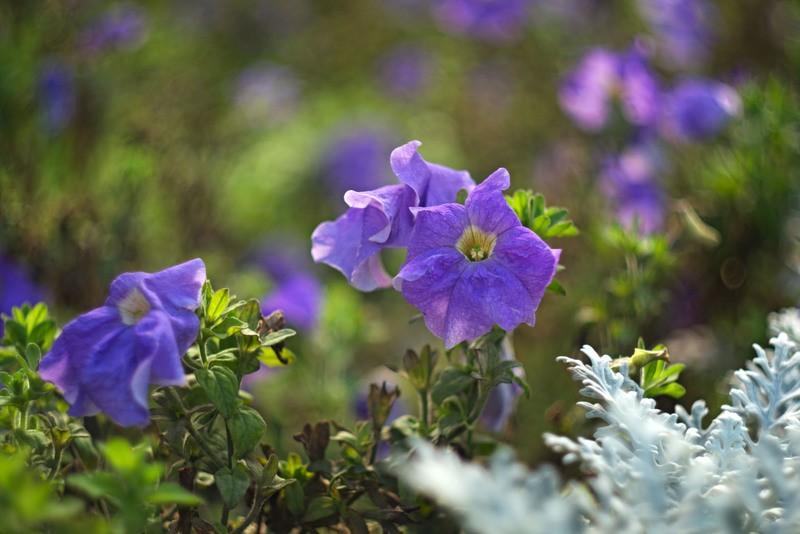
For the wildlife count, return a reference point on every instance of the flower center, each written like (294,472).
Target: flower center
(133,307)
(476,244)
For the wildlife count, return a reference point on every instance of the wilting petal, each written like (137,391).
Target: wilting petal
(377,219)
(434,184)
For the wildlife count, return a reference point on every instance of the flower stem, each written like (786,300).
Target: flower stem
(202,346)
(258,503)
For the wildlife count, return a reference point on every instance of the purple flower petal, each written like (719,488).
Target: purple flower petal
(299,297)
(434,184)
(487,207)
(698,109)
(105,359)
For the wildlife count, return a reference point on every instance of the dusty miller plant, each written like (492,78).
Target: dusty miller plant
(645,470)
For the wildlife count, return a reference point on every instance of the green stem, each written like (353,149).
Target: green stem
(252,515)
(202,345)
(59,452)
(423,395)
(193,431)
(23,416)
(224,517)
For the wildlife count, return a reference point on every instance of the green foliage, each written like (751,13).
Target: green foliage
(548,222)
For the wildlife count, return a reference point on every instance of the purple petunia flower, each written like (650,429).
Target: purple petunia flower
(502,399)
(267,94)
(698,109)
(57,95)
(383,218)
(473,266)
(122,26)
(492,20)
(630,182)
(682,29)
(299,296)
(105,359)
(356,158)
(603,76)
(16,288)
(405,71)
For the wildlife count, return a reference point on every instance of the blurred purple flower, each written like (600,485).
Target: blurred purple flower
(682,29)
(121,26)
(16,288)
(491,20)
(698,109)
(57,95)
(503,398)
(630,181)
(382,218)
(357,158)
(601,77)
(267,94)
(299,296)
(105,359)
(405,71)
(473,266)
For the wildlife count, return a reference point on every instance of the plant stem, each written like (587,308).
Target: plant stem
(202,346)
(255,510)
(423,395)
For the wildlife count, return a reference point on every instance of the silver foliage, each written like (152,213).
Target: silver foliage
(646,471)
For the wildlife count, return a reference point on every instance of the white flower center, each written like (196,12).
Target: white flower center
(133,307)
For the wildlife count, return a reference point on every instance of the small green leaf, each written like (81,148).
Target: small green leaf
(268,357)
(222,388)
(246,427)
(319,508)
(274,338)
(250,313)
(95,485)
(295,499)
(450,382)
(32,355)
(217,304)
(673,389)
(556,287)
(232,484)
(171,493)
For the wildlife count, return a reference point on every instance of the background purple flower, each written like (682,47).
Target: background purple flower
(473,266)
(493,20)
(698,109)
(630,181)
(267,94)
(383,217)
(121,26)
(57,95)
(16,288)
(357,158)
(105,359)
(405,71)
(682,29)
(299,297)
(603,77)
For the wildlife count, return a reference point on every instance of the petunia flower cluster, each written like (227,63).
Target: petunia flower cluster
(469,267)
(694,109)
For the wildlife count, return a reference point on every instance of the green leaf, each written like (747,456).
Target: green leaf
(274,338)
(222,388)
(251,314)
(32,355)
(227,327)
(16,333)
(246,427)
(232,484)
(319,508)
(673,389)
(295,499)
(556,287)
(121,455)
(450,382)
(95,485)
(171,493)
(217,304)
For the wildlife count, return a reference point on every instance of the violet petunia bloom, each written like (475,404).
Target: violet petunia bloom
(299,296)
(383,218)
(491,20)
(356,158)
(473,266)
(122,26)
(105,359)
(698,109)
(682,29)
(57,95)
(601,77)
(16,288)
(630,181)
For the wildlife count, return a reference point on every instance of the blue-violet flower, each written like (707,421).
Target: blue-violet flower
(105,359)
(473,266)
(383,218)
(698,109)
